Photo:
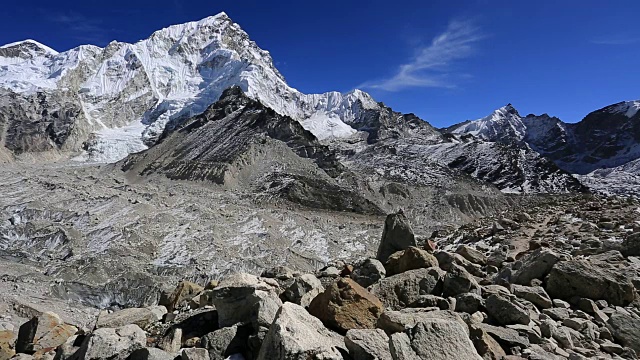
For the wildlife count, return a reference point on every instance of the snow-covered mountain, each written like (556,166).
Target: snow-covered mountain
(130,92)
(602,148)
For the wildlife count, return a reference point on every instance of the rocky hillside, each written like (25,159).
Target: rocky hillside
(558,282)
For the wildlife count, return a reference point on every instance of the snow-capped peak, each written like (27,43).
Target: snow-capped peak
(33,43)
(628,108)
(503,122)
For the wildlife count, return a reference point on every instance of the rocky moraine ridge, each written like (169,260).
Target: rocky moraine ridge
(558,282)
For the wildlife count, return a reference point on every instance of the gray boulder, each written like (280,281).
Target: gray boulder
(534,294)
(303,289)
(226,341)
(142,317)
(506,337)
(246,298)
(437,339)
(631,245)
(472,254)
(194,354)
(368,272)
(400,347)
(593,280)
(296,335)
(399,321)
(151,354)
(469,303)
(396,236)
(458,281)
(368,344)
(625,328)
(112,344)
(535,266)
(399,291)
(506,312)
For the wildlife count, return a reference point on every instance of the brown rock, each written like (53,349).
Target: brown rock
(346,305)
(486,345)
(410,259)
(472,254)
(46,331)
(7,338)
(183,293)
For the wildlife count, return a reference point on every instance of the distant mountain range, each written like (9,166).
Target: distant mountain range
(201,101)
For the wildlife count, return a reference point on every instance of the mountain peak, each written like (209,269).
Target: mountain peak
(506,111)
(26,49)
(628,108)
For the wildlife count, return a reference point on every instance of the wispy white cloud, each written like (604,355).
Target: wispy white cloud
(617,39)
(430,67)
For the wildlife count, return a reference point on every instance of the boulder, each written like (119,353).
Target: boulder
(246,298)
(368,272)
(506,337)
(447,259)
(535,266)
(399,291)
(486,346)
(46,331)
(534,294)
(225,342)
(410,259)
(303,289)
(295,334)
(181,295)
(400,347)
(506,312)
(7,339)
(397,235)
(458,281)
(436,339)
(398,321)
(111,344)
(469,303)
(625,328)
(368,344)
(142,317)
(151,354)
(432,301)
(194,354)
(472,254)
(279,273)
(345,305)
(172,341)
(593,280)
(631,245)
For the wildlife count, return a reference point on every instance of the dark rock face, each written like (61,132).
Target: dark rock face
(239,142)
(37,123)
(397,235)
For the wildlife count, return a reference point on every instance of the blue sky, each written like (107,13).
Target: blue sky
(446,61)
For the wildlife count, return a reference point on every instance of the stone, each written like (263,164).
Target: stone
(486,346)
(410,259)
(561,304)
(111,344)
(194,354)
(279,273)
(158,311)
(458,281)
(396,236)
(507,338)
(46,331)
(446,260)
(534,294)
(575,323)
(398,321)
(7,339)
(138,316)
(472,254)
(246,298)
(535,266)
(432,301)
(592,280)
(506,312)
(181,295)
(398,291)
(345,305)
(225,342)
(400,347)
(557,314)
(436,339)
(631,245)
(611,348)
(368,344)
(295,334)
(368,272)
(303,289)
(151,354)
(625,328)
(172,341)
(469,303)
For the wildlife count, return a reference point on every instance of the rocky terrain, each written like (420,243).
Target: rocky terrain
(557,282)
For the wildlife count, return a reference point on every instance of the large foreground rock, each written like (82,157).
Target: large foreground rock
(346,305)
(400,291)
(506,312)
(625,328)
(46,331)
(297,335)
(111,344)
(396,236)
(434,339)
(590,279)
(368,344)
(246,298)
